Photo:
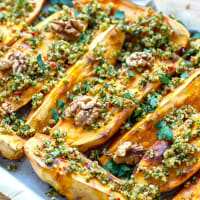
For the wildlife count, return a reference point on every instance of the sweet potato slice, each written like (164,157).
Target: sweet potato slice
(132,11)
(144,132)
(149,165)
(8,32)
(73,184)
(11,146)
(190,193)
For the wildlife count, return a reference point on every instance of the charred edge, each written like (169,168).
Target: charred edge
(159,148)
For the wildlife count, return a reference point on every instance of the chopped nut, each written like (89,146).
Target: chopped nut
(17,61)
(195,59)
(69,31)
(128,153)
(84,109)
(6,108)
(140,60)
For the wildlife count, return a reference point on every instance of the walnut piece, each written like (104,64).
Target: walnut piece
(128,153)
(6,108)
(69,31)
(84,109)
(17,61)
(140,60)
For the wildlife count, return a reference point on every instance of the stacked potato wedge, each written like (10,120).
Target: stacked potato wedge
(11,142)
(88,70)
(80,137)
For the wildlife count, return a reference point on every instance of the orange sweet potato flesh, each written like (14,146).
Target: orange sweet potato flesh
(144,132)
(9,37)
(190,193)
(132,11)
(73,185)
(79,136)
(159,148)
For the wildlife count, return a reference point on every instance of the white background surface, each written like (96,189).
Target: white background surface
(26,180)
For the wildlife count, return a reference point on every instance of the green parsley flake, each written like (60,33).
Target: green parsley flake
(55,115)
(165,132)
(119,14)
(40,62)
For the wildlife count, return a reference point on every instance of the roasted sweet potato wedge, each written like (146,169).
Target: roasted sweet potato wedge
(10,32)
(11,146)
(160,170)
(180,33)
(189,193)
(144,132)
(25,94)
(72,184)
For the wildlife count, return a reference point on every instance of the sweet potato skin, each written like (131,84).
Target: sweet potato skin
(144,132)
(190,193)
(9,38)
(173,180)
(72,185)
